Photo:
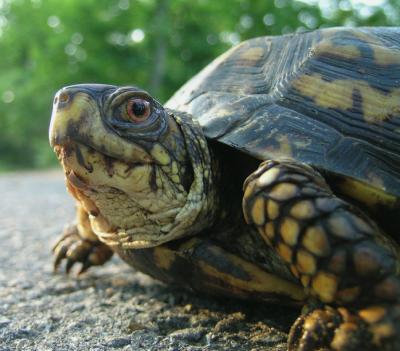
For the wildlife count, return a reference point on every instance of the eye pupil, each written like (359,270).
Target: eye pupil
(138,108)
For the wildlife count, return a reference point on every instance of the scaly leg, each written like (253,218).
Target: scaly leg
(338,254)
(78,243)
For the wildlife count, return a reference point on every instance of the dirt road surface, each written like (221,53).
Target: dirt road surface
(110,307)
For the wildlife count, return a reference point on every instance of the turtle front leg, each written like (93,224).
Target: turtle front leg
(375,327)
(80,244)
(338,254)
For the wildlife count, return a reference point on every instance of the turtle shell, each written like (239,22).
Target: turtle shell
(329,98)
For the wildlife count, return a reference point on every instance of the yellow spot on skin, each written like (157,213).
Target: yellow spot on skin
(303,210)
(272,209)
(305,280)
(160,154)
(325,285)
(294,270)
(376,106)
(382,331)
(337,263)
(174,168)
(248,192)
(290,231)
(348,295)
(372,314)
(163,257)
(175,178)
(258,211)
(268,177)
(264,236)
(283,191)
(306,262)
(285,252)
(252,54)
(341,339)
(315,241)
(269,230)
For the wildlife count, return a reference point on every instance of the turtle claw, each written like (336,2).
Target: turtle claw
(73,248)
(69,265)
(372,328)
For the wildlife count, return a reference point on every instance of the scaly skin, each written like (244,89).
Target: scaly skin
(337,253)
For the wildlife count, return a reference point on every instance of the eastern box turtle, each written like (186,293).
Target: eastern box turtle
(273,174)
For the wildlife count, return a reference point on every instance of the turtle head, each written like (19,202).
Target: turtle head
(142,172)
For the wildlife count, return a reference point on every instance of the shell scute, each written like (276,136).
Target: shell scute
(330,98)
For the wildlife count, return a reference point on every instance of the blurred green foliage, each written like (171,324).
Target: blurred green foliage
(157,45)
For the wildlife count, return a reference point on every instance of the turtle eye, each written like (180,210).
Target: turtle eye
(137,110)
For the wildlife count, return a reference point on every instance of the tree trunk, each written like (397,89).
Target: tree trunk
(160,50)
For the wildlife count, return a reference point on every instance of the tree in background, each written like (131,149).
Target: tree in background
(157,45)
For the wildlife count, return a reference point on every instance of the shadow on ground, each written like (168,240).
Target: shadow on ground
(111,307)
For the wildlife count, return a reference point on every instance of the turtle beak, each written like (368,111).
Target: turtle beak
(62,103)
(74,107)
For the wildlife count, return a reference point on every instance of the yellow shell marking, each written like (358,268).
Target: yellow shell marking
(376,106)
(344,51)
(384,56)
(163,257)
(261,281)
(325,285)
(252,54)
(284,145)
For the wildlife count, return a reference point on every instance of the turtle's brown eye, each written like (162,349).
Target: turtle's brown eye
(138,110)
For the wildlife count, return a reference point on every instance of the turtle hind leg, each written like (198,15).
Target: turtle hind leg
(78,243)
(338,254)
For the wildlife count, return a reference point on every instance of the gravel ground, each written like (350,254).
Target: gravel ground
(110,307)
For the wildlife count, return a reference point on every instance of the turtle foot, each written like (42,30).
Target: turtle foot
(373,328)
(73,248)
